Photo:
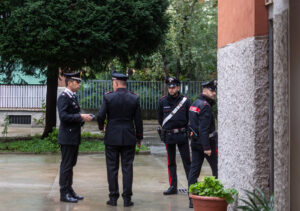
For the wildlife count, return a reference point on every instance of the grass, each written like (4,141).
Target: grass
(90,143)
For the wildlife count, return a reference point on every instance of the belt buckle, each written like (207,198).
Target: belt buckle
(175,130)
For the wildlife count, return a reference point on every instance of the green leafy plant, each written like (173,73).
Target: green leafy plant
(5,126)
(41,121)
(257,201)
(213,187)
(53,136)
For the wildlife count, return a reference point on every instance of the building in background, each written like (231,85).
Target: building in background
(258,79)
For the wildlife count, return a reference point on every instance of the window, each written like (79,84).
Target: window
(20,119)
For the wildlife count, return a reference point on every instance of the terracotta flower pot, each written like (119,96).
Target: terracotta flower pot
(206,203)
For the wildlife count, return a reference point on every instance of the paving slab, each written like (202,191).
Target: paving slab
(30,182)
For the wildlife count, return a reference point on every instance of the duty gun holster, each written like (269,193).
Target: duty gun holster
(161,132)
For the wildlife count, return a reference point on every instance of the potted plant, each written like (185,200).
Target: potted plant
(210,195)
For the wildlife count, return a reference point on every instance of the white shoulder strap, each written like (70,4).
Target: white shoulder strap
(180,104)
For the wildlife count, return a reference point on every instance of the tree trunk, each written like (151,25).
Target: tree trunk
(166,73)
(51,97)
(178,68)
(186,18)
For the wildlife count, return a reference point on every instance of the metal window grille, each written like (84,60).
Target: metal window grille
(19,119)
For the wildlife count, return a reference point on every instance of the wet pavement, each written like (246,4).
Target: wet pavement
(30,182)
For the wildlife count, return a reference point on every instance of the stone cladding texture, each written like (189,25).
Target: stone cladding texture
(243,114)
(281,112)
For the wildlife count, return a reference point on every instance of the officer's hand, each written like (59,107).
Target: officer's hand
(86,117)
(207,152)
(139,143)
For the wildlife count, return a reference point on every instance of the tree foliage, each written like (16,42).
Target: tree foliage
(71,34)
(190,48)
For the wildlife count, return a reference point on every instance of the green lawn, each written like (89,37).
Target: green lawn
(90,143)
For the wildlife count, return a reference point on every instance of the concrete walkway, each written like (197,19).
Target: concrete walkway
(30,182)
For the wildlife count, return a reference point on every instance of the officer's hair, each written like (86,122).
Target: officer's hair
(67,80)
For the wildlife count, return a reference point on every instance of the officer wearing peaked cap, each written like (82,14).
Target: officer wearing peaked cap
(173,117)
(123,132)
(69,134)
(204,137)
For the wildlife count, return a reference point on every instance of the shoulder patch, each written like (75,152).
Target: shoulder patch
(195,109)
(163,97)
(108,92)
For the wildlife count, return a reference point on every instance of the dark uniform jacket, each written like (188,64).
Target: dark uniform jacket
(123,112)
(202,120)
(70,119)
(180,120)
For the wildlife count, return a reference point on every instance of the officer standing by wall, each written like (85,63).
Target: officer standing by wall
(69,135)
(123,132)
(173,113)
(204,137)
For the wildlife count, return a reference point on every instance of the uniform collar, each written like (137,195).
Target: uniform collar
(69,92)
(208,99)
(121,90)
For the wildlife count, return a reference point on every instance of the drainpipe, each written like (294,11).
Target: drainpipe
(271,106)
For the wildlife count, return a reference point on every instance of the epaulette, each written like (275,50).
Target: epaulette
(132,92)
(108,92)
(163,97)
(65,94)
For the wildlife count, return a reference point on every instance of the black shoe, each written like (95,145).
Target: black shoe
(111,202)
(128,203)
(191,204)
(74,195)
(68,198)
(171,190)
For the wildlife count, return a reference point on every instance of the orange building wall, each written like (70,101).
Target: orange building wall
(239,19)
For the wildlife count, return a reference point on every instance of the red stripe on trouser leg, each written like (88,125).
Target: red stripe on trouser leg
(217,152)
(168,166)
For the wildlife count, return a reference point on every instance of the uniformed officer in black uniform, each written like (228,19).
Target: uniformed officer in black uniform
(204,137)
(175,130)
(69,135)
(123,132)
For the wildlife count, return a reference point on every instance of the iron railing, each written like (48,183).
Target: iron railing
(22,96)
(91,93)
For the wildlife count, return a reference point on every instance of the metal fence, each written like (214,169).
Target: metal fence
(22,96)
(91,93)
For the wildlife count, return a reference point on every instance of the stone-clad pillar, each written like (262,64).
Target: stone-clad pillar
(281,106)
(243,90)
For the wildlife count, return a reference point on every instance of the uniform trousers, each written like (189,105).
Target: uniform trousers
(69,154)
(113,154)
(184,151)
(197,161)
